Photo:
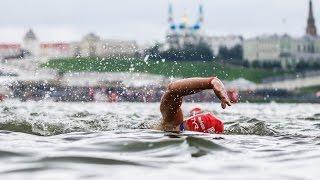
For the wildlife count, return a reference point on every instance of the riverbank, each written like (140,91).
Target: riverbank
(166,68)
(119,92)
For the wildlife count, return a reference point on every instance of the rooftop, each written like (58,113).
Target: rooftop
(30,35)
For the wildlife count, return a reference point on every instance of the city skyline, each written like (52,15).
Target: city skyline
(146,21)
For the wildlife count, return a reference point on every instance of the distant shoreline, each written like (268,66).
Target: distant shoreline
(161,67)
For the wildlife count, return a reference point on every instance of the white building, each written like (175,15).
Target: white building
(216,42)
(34,48)
(285,49)
(92,45)
(9,50)
(31,43)
(262,48)
(120,47)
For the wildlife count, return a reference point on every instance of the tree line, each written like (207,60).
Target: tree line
(188,52)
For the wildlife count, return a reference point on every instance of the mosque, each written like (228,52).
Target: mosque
(183,33)
(180,34)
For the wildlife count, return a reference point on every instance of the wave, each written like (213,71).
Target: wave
(46,123)
(47,128)
(130,147)
(247,126)
(109,122)
(315,117)
(38,123)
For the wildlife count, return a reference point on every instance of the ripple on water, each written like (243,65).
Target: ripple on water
(105,140)
(250,127)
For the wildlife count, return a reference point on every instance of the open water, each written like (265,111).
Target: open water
(52,140)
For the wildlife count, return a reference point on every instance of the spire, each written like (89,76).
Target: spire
(170,13)
(200,13)
(311,27)
(310,9)
(198,24)
(170,18)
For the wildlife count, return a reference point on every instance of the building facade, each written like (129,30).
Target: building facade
(9,50)
(91,45)
(55,50)
(216,42)
(31,43)
(283,48)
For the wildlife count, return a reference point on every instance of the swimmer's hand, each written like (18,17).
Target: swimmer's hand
(220,92)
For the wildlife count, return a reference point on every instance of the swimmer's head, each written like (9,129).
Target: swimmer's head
(206,123)
(194,111)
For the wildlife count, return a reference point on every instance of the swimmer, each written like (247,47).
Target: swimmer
(170,107)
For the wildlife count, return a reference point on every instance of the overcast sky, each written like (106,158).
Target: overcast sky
(146,20)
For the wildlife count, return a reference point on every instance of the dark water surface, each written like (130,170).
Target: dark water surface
(48,140)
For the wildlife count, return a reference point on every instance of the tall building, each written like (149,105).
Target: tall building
(311,27)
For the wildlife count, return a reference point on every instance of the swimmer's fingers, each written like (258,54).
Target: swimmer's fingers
(221,93)
(227,100)
(223,105)
(224,102)
(229,103)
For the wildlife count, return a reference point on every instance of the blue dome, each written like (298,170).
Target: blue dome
(182,26)
(172,27)
(196,27)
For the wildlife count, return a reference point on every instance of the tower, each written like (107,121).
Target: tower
(31,43)
(201,13)
(198,24)
(311,27)
(170,17)
(170,13)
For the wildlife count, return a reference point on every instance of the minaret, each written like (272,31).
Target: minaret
(198,24)
(311,28)
(201,13)
(170,17)
(170,13)
(172,39)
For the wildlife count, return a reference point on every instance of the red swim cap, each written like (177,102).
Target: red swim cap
(206,123)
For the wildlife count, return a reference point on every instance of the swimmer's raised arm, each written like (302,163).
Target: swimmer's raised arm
(171,101)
